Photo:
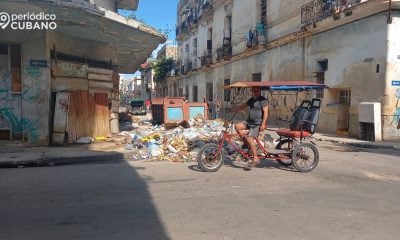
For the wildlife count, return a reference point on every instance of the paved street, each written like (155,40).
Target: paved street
(352,194)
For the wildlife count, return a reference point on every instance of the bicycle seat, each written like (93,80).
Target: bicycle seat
(284,132)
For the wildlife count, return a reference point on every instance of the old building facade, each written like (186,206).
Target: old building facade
(348,45)
(61,82)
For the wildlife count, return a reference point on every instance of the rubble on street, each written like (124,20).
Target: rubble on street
(173,142)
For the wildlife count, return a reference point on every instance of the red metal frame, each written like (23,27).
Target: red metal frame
(228,137)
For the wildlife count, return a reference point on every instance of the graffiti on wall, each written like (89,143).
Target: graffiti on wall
(11,104)
(32,91)
(396,116)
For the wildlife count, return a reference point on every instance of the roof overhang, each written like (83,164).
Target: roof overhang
(133,40)
(128,4)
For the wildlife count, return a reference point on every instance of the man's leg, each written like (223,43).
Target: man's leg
(240,127)
(253,148)
(253,133)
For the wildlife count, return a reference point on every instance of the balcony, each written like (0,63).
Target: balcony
(206,59)
(257,36)
(190,66)
(319,9)
(224,52)
(184,70)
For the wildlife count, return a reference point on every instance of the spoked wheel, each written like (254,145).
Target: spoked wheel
(209,158)
(285,144)
(305,157)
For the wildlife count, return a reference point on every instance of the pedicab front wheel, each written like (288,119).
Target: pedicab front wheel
(210,158)
(305,157)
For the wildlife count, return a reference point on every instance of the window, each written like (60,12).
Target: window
(3,49)
(320,79)
(4,61)
(195,96)
(322,65)
(209,41)
(344,97)
(194,54)
(227,92)
(256,77)
(209,92)
(15,64)
(187,92)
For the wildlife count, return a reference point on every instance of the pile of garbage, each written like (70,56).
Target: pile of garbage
(178,142)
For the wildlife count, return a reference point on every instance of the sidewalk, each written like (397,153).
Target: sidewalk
(348,141)
(15,154)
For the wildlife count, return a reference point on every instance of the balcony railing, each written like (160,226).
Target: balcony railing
(256,36)
(206,59)
(319,9)
(224,52)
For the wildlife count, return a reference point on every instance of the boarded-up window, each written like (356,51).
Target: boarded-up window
(15,62)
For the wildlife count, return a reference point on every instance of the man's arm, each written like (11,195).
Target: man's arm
(264,120)
(238,108)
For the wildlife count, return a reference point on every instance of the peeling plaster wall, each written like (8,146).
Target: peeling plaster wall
(391,103)
(28,112)
(83,48)
(244,18)
(283,17)
(352,64)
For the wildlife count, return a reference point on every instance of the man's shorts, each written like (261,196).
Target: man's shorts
(254,130)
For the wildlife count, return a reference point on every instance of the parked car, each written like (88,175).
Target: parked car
(138,107)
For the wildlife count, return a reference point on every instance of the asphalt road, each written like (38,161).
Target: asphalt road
(352,194)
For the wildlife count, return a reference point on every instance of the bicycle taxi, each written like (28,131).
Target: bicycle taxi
(293,148)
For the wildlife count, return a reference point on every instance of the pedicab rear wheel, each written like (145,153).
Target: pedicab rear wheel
(285,144)
(305,157)
(210,158)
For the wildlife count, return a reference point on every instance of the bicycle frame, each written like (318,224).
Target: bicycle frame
(228,138)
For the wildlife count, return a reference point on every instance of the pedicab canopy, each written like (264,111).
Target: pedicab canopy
(279,85)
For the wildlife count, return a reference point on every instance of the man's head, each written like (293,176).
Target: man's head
(256,92)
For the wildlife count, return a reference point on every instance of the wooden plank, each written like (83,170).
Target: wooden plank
(100,71)
(68,69)
(88,115)
(100,84)
(59,84)
(99,77)
(60,113)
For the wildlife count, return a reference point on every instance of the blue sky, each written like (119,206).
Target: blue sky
(159,14)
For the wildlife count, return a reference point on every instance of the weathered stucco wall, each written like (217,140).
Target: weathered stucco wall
(27,113)
(244,18)
(283,17)
(391,103)
(352,65)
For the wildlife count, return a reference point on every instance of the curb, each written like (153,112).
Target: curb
(359,144)
(58,161)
